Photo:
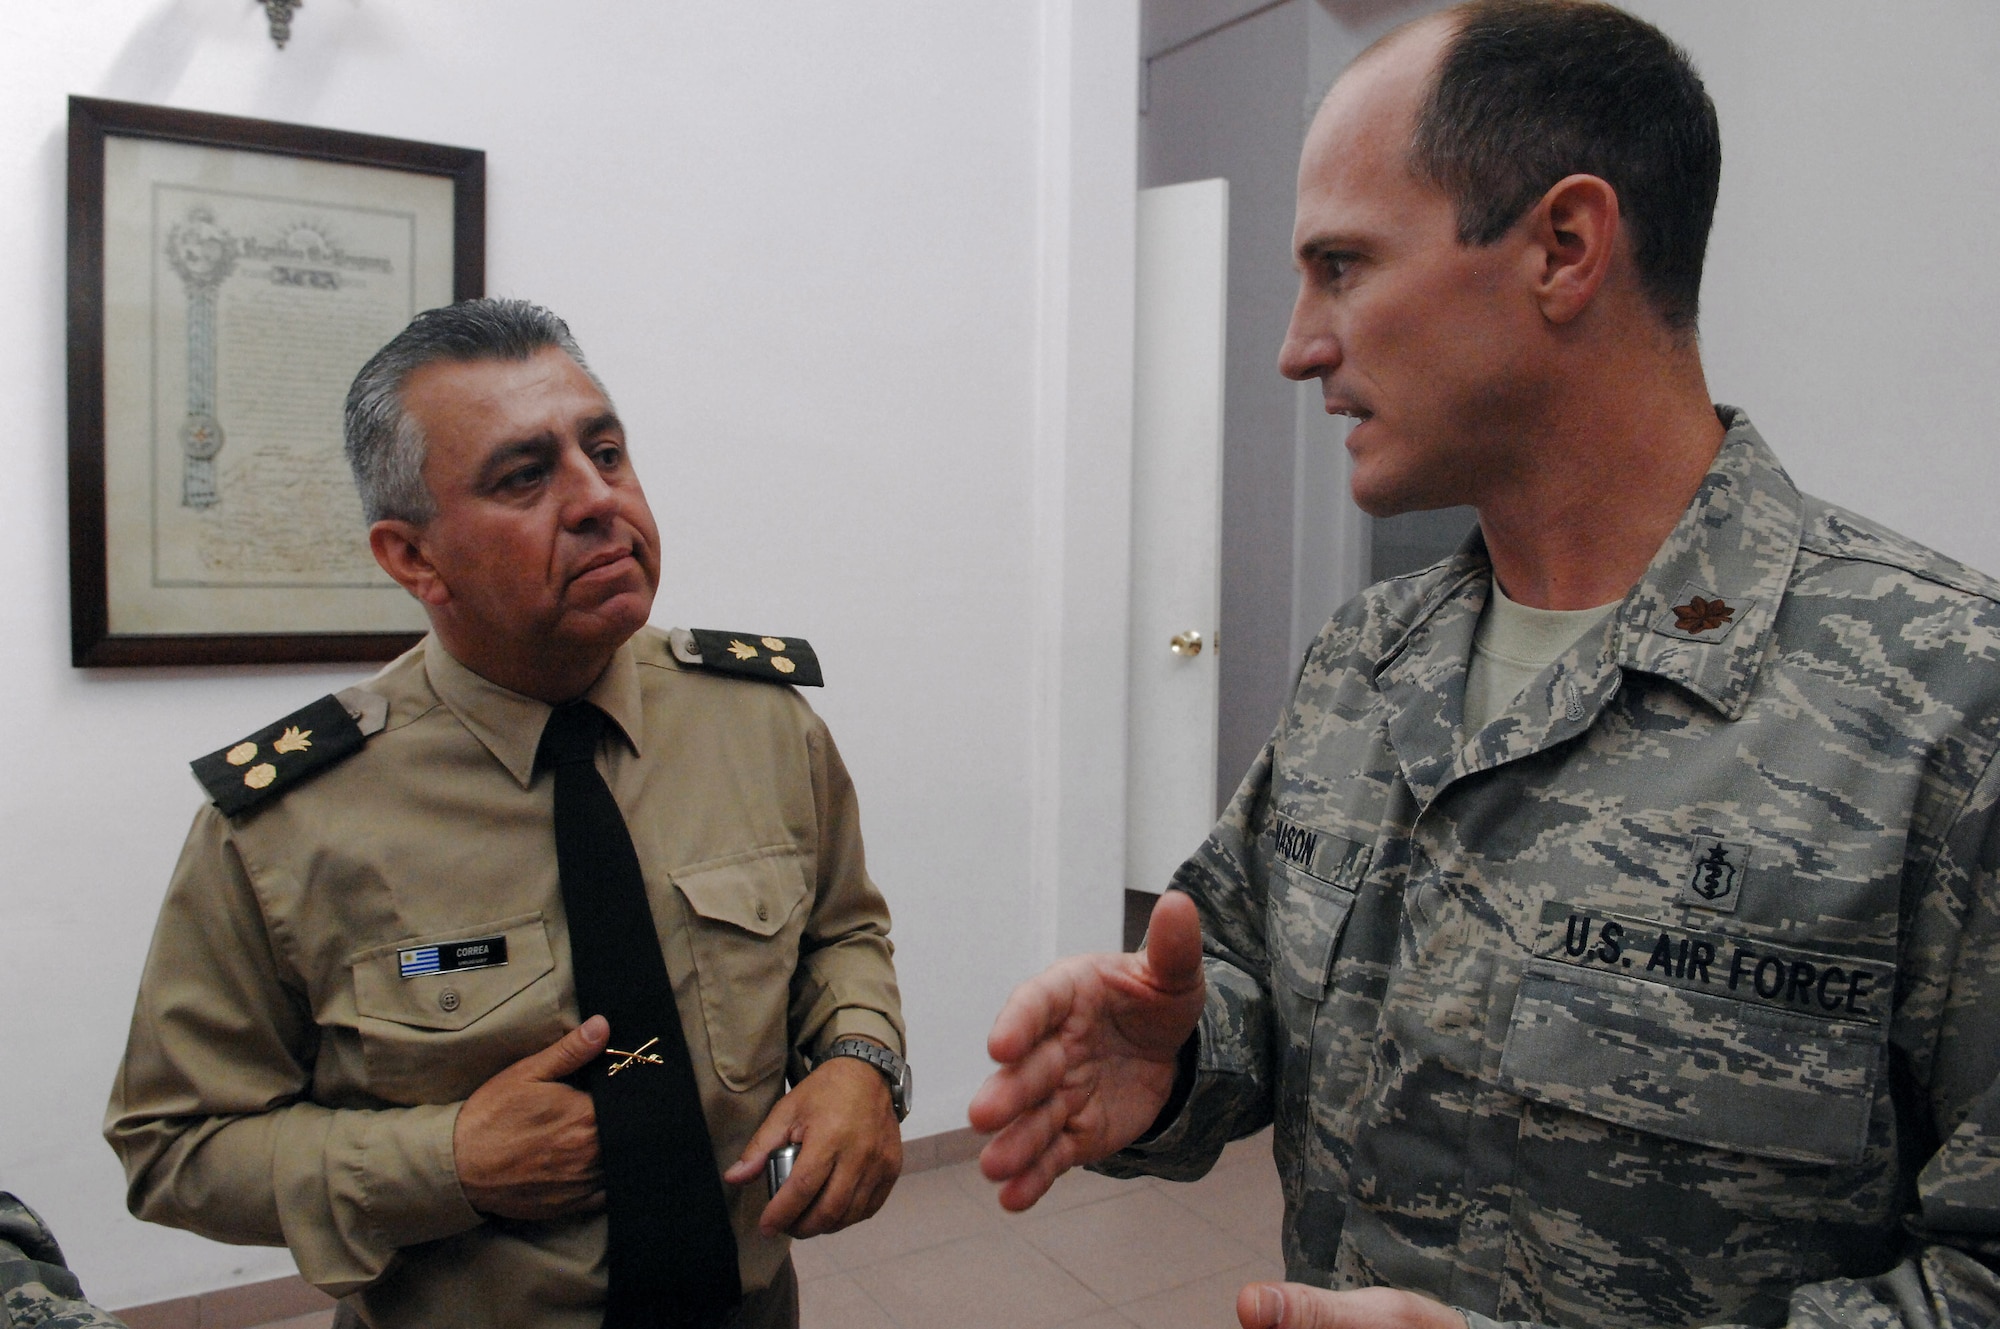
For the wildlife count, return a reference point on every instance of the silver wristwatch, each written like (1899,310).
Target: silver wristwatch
(894,1069)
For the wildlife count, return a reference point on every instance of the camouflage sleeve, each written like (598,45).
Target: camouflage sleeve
(1231,1096)
(37,1290)
(1938,1289)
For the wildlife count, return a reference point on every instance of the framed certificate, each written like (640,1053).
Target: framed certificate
(227,278)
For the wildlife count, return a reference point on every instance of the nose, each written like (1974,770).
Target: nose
(588,499)
(1310,349)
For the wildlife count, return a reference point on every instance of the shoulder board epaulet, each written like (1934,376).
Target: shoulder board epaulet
(267,763)
(748,655)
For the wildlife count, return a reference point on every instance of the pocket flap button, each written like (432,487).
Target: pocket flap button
(448,999)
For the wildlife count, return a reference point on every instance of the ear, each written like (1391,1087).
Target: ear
(1576,226)
(399,547)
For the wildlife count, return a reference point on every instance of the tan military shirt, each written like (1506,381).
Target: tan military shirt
(285,1084)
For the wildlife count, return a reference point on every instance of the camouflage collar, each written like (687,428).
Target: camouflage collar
(1699,617)
(1701,614)
(1423,675)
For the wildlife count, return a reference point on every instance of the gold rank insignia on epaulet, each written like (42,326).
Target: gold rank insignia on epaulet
(278,756)
(748,655)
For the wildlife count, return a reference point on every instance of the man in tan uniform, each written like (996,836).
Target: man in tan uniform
(359,1012)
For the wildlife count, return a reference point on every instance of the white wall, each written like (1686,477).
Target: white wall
(859,277)
(1852,296)
(1852,301)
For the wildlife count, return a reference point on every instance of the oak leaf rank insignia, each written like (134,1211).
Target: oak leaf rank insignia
(1700,615)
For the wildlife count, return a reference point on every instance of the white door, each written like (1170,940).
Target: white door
(1183,271)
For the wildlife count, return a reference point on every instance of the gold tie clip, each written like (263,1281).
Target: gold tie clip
(630,1057)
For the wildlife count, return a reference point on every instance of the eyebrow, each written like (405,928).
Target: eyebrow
(537,446)
(542,445)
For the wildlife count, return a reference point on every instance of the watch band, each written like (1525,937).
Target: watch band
(894,1069)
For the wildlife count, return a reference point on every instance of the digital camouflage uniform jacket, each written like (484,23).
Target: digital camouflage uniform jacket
(1672,997)
(37,1290)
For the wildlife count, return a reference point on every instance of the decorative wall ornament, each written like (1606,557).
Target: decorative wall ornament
(280,13)
(227,277)
(204,255)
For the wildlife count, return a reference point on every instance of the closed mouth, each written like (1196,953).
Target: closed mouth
(600,562)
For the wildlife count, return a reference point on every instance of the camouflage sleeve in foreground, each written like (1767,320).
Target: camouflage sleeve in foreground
(37,1290)
(1231,1097)
(1940,1289)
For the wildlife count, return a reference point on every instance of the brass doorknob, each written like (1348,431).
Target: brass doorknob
(1186,643)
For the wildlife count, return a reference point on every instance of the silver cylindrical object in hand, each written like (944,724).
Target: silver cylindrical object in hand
(779,1166)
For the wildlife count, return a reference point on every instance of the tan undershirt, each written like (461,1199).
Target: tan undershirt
(1513,645)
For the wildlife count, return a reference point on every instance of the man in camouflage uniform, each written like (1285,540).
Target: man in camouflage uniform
(37,1290)
(1665,988)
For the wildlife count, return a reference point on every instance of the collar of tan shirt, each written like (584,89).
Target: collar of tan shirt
(510,725)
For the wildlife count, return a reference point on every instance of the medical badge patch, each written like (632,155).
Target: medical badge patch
(1715,875)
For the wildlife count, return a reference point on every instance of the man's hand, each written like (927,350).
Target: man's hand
(850,1150)
(1087,1052)
(1296,1306)
(525,1145)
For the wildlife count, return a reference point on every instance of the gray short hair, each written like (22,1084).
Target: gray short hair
(385,446)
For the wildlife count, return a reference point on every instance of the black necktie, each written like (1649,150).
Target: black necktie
(672,1253)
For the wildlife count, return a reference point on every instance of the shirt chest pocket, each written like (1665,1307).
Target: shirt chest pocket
(1694,1066)
(1306,919)
(749,914)
(1313,880)
(439,1015)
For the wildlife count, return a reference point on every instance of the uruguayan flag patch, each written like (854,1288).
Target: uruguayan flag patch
(452,956)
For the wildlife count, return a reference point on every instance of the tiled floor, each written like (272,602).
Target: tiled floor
(1094,1254)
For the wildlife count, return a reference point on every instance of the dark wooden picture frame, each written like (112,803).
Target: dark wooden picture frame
(91,123)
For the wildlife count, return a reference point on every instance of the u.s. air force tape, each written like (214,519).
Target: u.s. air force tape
(450,956)
(1854,986)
